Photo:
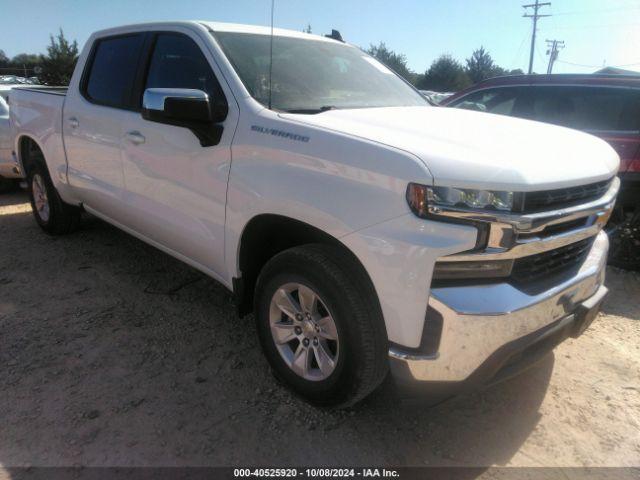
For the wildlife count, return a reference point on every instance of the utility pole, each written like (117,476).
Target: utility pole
(536,6)
(553,52)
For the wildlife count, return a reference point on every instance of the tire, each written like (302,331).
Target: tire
(344,296)
(52,214)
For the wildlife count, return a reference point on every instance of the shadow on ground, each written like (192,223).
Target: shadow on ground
(113,353)
(623,287)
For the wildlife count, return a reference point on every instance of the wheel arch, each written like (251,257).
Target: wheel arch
(26,154)
(262,238)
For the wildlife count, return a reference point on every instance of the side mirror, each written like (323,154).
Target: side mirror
(184,107)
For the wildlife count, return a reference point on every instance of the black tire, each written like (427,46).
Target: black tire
(62,218)
(342,285)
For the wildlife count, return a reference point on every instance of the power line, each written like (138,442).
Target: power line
(601,10)
(599,25)
(597,66)
(536,6)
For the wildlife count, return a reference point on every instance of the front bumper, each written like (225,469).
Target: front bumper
(490,329)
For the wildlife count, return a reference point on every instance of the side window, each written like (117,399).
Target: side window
(498,100)
(177,62)
(589,108)
(112,71)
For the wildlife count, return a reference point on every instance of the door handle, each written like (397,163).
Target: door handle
(73,122)
(135,137)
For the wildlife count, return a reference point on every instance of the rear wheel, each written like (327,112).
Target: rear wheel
(52,214)
(320,325)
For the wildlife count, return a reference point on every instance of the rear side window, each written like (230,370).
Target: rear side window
(178,62)
(587,108)
(114,64)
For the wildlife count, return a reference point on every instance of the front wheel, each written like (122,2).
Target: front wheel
(52,214)
(320,325)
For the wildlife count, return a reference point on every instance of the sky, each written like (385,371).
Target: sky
(595,32)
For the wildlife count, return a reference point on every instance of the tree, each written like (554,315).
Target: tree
(445,75)
(4,60)
(58,65)
(480,66)
(395,61)
(307,29)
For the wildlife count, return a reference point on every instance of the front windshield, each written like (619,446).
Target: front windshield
(310,76)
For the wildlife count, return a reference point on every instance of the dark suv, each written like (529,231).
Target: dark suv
(607,106)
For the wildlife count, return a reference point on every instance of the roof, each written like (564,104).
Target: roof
(215,27)
(563,78)
(262,30)
(617,71)
(612,80)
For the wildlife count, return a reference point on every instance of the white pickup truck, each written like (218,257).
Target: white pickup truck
(366,230)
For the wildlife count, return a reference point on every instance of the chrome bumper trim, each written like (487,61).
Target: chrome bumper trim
(478,320)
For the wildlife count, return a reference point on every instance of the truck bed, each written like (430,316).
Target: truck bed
(44,89)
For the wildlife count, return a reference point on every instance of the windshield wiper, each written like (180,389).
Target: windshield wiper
(311,111)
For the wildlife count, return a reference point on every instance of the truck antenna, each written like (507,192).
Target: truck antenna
(271,52)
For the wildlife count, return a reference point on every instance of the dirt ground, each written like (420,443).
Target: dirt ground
(113,353)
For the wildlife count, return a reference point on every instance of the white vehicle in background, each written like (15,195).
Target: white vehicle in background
(436,97)
(365,229)
(9,170)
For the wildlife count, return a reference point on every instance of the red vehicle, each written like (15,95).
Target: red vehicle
(607,106)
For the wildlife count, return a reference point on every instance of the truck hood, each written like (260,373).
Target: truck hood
(479,150)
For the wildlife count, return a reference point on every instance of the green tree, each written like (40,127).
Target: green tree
(445,75)
(395,61)
(61,58)
(4,60)
(307,29)
(480,66)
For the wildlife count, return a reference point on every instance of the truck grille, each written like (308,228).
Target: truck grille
(563,197)
(533,267)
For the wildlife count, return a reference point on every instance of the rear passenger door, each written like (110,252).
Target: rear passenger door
(176,188)
(92,122)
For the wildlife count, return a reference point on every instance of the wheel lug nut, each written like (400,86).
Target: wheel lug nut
(298,330)
(315,341)
(305,342)
(298,317)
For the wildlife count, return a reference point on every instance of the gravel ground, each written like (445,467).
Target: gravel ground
(113,353)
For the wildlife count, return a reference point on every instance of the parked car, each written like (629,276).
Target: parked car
(607,106)
(365,229)
(17,80)
(9,172)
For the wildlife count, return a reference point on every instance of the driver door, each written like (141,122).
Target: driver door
(176,188)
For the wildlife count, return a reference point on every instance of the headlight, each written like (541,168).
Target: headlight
(420,197)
